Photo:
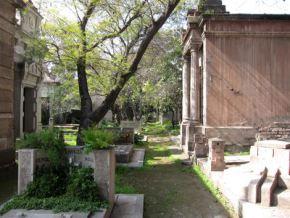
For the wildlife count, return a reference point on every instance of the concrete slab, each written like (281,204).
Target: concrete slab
(128,206)
(49,214)
(273,144)
(250,210)
(137,159)
(241,159)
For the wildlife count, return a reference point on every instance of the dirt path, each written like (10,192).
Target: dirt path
(171,190)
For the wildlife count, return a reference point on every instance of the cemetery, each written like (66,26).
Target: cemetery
(131,109)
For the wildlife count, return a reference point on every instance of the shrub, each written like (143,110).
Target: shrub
(97,139)
(49,140)
(48,182)
(82,185)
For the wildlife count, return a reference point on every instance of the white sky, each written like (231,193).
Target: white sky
(245,6)
(258,6)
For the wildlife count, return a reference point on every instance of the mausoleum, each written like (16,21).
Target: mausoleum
(235,75)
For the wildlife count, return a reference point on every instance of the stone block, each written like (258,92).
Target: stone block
(28,161)
(268,188)
(254,188)
(283,199)
(273,144)
(104,173)
(26,168)
(123,153)
(216,154)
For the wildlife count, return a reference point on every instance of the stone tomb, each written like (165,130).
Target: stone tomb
(124,153)
(102,161)
(126,135)
(136,125)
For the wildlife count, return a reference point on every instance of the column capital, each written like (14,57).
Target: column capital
(194,47)
(186,58)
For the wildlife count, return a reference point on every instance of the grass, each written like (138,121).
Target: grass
(212,189)
(159,129)
(121,186)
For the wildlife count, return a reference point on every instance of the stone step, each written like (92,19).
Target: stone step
(123,153)
(254,188)
(282,198)
(268,188)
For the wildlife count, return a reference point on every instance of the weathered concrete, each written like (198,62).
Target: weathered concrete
(128,206)
(123,153)
(104,173)
(137,160)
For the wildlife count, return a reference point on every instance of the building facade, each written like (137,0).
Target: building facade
(235,75)
(27,74)
(7,41)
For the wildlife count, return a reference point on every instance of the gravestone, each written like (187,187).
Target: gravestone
(216,160)
(124,153)
(136,125)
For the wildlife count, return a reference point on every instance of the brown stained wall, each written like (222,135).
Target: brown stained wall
(7,15)
(248,72)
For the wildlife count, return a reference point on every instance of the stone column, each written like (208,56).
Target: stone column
(185,99)
(186,88)
(194,90)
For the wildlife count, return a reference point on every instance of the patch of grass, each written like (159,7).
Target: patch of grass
(121,187)
(212,189)
(56,204)
(158,129)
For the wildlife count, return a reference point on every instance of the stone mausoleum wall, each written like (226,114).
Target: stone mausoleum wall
(7,41)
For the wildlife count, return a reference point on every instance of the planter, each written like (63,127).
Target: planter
(28,160)
(104,163)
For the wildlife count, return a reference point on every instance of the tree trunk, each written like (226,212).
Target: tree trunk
(86,101)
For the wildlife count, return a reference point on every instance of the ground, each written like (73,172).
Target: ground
(171,189)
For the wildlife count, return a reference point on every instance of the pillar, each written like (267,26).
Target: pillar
(186,88)
(194,88)
(185,99)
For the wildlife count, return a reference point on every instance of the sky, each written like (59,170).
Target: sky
(258,6)
(247,6)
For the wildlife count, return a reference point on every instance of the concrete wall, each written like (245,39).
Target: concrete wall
(247,67)
(7,31)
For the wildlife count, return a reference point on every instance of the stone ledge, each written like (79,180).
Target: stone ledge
(49,214)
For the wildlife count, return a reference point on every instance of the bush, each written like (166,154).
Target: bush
(49,140)
(48,182)
(82,185)
(97,139)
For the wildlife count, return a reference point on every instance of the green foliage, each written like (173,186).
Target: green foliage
(108,124)
(49,141)
(55,189)
(121,187)
(138,139)
(97,139)
(160,129)
(57,204)
(82,186)
(48,182)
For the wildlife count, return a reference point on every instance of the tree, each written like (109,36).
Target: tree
(108,37)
